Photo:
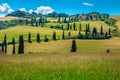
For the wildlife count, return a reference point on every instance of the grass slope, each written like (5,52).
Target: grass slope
(16,31)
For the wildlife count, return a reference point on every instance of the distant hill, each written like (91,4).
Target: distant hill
(8,18)
(118,20)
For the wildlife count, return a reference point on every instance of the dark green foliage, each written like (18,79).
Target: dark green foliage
(101,30)
(80,27)
(74,26)
(54,35)
(62,27)
(29,38)
(106,35)
(21,45)
(73,48)
(86,30)
(59,19)
(27,22)
(109,31)
(46,39)
(94,33)
(32,22)
(69,35)
(65,20)
(38,37)
(2,48)
(63,35)
(5,43)
(13,42)
(36,24)
(68,26)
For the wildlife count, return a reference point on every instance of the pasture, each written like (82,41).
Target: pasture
(53,60)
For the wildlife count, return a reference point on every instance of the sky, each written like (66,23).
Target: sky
(70,7)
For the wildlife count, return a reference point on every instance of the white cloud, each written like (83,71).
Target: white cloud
(5,9)
(23,9)
(30,11)
(44,10)
(88,4)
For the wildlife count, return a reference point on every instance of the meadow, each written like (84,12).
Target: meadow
(53,60)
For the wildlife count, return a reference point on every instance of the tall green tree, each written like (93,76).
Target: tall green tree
(74,47)
(46,39)
(94,33)
(59,19)
(68,26)
(74,26)
(21,45)
(5,43)
(63,35)
(13,42)
(27,22)
(54,35)
(109,31)
(29,37)
(106,35)
(101,30)
(38,37)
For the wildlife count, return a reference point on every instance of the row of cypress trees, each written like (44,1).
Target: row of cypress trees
(20,47)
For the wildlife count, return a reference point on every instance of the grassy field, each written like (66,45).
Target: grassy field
(117,18)
(16,31)
(53,61)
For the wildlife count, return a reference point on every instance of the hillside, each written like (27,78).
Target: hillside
(17,30)
(117,18)
(10,18)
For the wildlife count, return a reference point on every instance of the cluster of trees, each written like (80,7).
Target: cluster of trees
(94,34)
(34,14)
(11,23)
(20,47)
(36,22)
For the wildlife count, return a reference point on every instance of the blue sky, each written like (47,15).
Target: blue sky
(67,6)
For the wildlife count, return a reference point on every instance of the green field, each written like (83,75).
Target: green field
(53,60)
(16,31)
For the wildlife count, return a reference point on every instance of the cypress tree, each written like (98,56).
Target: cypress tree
(62,27)
(13,42)
(32,22)
(109,31)
(59,19)
(54,35)
(80,27)
(38,37)
(68,26)
(21,45)
(63,35)
(106,35)
(2,48)
(46,39)
(73,48)
(74,26)
(5,43)
(86,31)
(101,30)
(29,37)
(69,34)
(88,28)
(94,33)
(26,22)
